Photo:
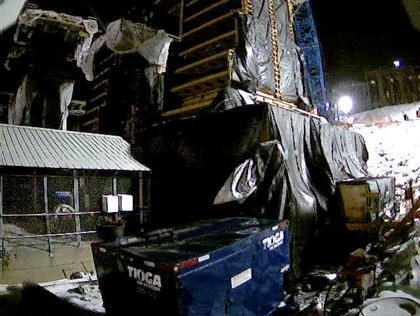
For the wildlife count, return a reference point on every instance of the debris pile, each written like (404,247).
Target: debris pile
(382,278)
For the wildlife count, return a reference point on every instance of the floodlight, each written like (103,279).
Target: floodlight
(345,104)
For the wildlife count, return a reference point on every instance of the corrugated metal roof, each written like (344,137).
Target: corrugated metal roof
(22,146)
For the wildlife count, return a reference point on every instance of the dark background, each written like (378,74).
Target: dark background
(361,35)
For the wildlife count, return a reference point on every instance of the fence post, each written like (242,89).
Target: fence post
(141,204)
(46,211)
(77,207)
(114,186)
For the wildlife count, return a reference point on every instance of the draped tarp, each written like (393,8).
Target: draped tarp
(253,63)
(294,176)
(9,12)
(260,161)
(125,37)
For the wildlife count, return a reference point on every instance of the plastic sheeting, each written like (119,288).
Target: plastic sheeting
(315,157)
(294,176)
(19,111)
(66,94)
(30,17)
(253,61)
(91,27)
(256,161)
(125,37)
(9,12)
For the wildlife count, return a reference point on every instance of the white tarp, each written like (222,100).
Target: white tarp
(125,37)
(18,112)
(66,94)
(9,12)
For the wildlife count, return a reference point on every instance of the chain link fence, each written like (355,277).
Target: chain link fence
(39,211)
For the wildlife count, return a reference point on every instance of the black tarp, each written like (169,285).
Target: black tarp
(294,176)
(253,64)
(282,164)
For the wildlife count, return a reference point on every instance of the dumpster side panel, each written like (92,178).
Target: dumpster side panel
(129,287)
(273,261)
(111,278)
(208,289)
(244,276)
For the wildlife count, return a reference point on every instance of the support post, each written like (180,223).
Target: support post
(141,203)
(114,186)
(47,218)
(77,206)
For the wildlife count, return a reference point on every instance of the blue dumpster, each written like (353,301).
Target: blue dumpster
(233,266)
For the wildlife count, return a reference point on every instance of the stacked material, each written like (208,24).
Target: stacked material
(240,44)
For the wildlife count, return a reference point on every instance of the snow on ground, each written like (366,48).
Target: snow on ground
(386,114)
(83,292)
(394,149)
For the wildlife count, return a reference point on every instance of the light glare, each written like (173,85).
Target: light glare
(345,104)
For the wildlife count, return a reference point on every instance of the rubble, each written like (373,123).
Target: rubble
(383,277)
(83,292)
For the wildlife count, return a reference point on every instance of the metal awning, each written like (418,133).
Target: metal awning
(22,146)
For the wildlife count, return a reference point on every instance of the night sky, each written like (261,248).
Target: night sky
(365,34)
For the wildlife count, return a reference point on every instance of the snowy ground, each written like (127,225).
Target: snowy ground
(82,292)
(394,149)
(386,114)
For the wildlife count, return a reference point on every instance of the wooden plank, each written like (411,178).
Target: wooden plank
(102,95)
(103,72)
(187,109)
(95,120)
(190,3)
(103,61)
(206,10)
(96,108)
(211,95)
(103,82)
(207,83)
(208,24)
(225,38)
(264,97)
(197,64)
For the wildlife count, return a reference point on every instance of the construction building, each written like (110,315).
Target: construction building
(253,190)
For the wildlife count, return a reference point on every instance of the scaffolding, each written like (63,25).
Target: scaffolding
(307,39)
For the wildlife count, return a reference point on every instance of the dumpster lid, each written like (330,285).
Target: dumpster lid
(197,240)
